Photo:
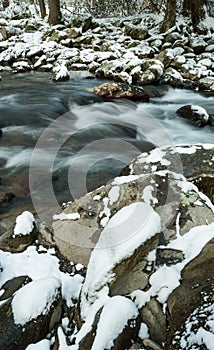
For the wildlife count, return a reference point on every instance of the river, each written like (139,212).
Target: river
(67,141)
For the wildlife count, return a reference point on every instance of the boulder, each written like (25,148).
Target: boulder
(73,33)
(136,32)
(77,231)
(11,286)
(184,160)
(18,238)
(152,315)
(198,45)
(192,301)
(84,22)
(30,314)
(121,90)
(115,326)
(172,77)
(195,114)
(60,71)
(206,84)
(166,57)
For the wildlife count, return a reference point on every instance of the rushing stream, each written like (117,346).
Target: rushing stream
(63,129)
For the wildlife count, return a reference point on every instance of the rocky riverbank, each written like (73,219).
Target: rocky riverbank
(130,50)
(147,241)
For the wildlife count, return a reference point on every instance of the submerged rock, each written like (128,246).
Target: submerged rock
(121,90)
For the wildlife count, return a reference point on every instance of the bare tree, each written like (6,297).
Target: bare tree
(170,15)
(54,12)
(196,10)
(5,3)
(42,8)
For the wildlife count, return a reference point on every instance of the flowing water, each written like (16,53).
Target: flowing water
(66,141)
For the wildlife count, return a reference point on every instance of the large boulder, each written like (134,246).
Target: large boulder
(184,160)
(151,178)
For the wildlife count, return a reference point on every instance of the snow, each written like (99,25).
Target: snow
(97,198)
(24,224)
(129,228)
(147,195)
(166,278)
(201,111)
(39,267)
(114,194)
(155,156)
(61,71)
(203,335)
(34,299)
(71,288)
(185,150)
(143,332)
(41,345)
(63,216)
(114,317)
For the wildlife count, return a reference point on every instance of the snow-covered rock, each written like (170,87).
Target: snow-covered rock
(60,71)
(29,315)
(114,326)
(195,114)
(24,233)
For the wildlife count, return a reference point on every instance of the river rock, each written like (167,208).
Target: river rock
(152,315)
(73,33)
(23,323)
(166,57)
(11,286)
(184,160)
(198,45)
(115,326)
(60,71)
(6,197)
(195,114)
(172,77)
(121,90)
(192,301)
(206,84)
(23,234)
(84,22)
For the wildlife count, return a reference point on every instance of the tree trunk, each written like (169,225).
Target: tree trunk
(196,9)
(5,3)
(54,12)
(42,8)
(170,15)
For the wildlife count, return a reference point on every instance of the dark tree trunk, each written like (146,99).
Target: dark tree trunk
(170,16)
(54,12)
(195,9)
(42,8)
(5,3)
